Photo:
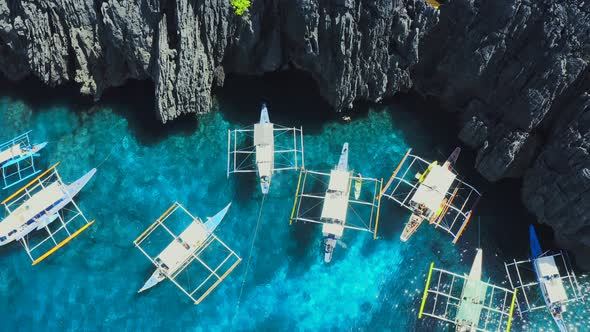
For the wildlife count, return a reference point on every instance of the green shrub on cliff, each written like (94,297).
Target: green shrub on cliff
(240,6)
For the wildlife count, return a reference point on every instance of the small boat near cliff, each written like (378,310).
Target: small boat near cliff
(189,246)
(274,148)
(554,278)
(335,202)
(432,192)
(467,301)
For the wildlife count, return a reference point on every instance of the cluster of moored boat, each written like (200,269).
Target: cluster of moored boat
(431,191)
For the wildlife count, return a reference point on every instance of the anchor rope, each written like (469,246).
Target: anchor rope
(249,257)
(111,152)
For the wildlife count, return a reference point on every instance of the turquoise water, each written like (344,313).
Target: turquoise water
(143,167)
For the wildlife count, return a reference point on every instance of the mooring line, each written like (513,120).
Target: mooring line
(248,261)
(111,152)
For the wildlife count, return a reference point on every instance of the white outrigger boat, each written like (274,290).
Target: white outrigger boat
(270,155)
(37,205)
(336,203)
(479,306)
(548,279)
(185,248)
(264,142)
(17,159)
(435,194)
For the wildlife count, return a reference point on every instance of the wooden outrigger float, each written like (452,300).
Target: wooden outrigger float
(432,192)
(36,206)
(189,246)
(554,277)
(272,149)
(337,202)
(17,159)
(466,301)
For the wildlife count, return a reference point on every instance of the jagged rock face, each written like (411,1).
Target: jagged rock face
(506,66)
(557,188)
(354,49)
(509,69)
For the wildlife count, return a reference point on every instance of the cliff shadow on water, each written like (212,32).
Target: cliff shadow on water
(291,96)
(134,101)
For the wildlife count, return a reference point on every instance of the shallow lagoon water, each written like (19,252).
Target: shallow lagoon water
(371,284)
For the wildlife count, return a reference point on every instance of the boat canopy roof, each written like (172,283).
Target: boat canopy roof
(10,153)
(34,205)
(336,199)
(473,295)
(335,206)
(433,190)
(339,181)
(264,153)
(181,248)
(335,229)
(263,134)
(550,278)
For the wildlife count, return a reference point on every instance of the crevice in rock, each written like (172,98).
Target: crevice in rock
(169,9)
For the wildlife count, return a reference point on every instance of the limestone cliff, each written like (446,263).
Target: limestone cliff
(515,71)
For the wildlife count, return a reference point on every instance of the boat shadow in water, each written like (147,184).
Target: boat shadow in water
(134,101)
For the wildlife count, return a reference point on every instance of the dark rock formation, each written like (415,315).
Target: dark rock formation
(557,188)
(506,67)
(518,73)
(509,69)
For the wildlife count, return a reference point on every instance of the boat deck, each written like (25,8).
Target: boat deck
(550,279)
(10,153)
(336,200)
(264,142)
(34,205)
(472,303)
(433,190)
(180,249)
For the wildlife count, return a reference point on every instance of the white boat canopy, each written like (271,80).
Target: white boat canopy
(466,301)
(433,190)
(326,198)
(46,203)
(17,159)
(551,279)
(196,260)
(557,276)
(264,148)
(336,199)
(417,182)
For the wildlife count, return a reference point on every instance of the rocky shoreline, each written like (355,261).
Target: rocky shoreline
(516,73)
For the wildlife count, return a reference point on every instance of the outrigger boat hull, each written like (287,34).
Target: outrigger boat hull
(34,151)
(333,231)
(50,213)
(155,279)
(555,308)
(264,169)
(210,225)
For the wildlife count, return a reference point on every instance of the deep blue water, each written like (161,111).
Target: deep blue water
(143,167)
